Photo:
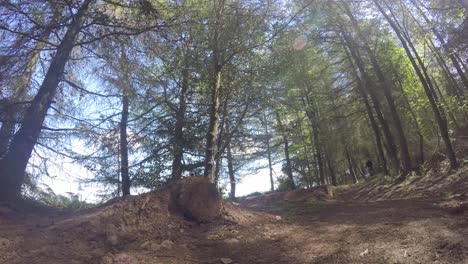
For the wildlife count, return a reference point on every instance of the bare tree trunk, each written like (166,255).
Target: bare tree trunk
(270,166)
(13,165)
(212,135)
(179,140)
(416,124)
(124,145)
(350,166)
(309,163)
(289,172)
(318,154)
(219,141)
(311,114)
(215,87)
(125,89)
(232,178)
(330,169)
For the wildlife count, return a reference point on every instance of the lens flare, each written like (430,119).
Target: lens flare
(300,42)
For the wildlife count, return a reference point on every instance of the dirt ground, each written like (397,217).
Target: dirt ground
(304,226)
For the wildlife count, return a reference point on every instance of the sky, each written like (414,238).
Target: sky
(259,182)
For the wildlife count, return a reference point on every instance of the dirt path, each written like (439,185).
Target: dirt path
(392,231)
(402,231)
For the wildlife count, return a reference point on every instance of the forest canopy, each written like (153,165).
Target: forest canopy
(142,93)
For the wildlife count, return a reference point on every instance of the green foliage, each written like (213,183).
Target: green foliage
(70,202)
(284,184)
(294,59)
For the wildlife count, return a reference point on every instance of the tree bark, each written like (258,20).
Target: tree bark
(270,166)
(219,141)
(13,165)
(124,145)
(311,114)
(232,178)
(125,83)
(215,87)
(179,140)
(416,125)
(289,172)
(330,169)
(350,166)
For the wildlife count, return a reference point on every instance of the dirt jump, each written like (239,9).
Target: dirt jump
(391,224)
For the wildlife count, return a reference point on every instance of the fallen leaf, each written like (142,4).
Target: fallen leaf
(365,252)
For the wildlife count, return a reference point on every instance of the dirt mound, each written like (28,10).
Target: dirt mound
(438,183)
(197,198)
(300,227)
(439,164)
(147,228)
(321,193)
(436,179)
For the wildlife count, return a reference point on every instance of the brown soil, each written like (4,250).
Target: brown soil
(197,199)
(304,226)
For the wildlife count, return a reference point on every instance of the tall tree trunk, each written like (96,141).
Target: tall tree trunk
(212,135)
(124,145)
(330,169)
(311,114)
(232,178)
(125,83)
(12,113)
(350,166)
(270,166)
(13,165)
(289,172)
(309,162)
(426,82)
(215,87)
(404,152)
(179,140)
(219,141)
(416,124)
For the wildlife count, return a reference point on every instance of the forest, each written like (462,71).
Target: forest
(138,95)
(144,92)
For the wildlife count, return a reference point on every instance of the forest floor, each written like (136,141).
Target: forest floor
(423,220)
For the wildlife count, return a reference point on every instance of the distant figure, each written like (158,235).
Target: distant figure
(369,168)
